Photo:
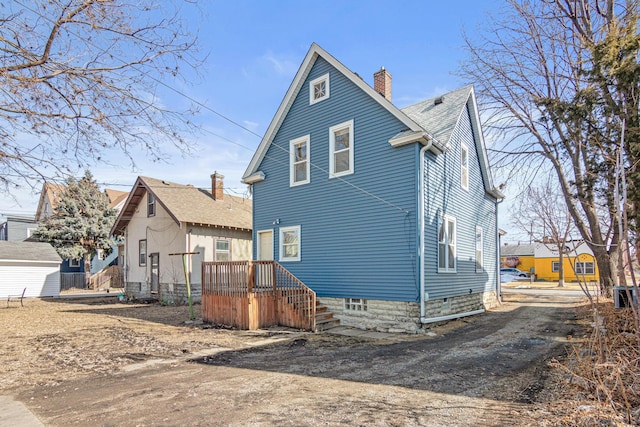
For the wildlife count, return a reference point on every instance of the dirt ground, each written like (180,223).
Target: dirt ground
(99,362)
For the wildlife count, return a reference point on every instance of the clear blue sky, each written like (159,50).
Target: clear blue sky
(254,49)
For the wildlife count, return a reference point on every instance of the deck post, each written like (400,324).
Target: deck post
(273,277)
(251,282)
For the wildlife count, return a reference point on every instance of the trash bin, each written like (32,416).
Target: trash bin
(621,298)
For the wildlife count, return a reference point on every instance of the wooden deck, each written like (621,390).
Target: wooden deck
(255,294)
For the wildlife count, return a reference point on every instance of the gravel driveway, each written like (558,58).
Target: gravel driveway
(485,370)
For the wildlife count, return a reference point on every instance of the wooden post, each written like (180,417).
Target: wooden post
(252,277)
(186,279)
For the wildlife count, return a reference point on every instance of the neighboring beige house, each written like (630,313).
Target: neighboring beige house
(49,198)
(160,218)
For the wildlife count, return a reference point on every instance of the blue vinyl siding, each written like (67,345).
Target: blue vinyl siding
(445,195)
(355,242)
(65,268)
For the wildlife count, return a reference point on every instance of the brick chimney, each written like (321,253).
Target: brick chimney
(382,83)
(217,186)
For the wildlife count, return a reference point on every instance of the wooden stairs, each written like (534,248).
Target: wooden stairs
(324,318)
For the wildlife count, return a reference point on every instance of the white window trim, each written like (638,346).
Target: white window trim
(464,170)
(583,269)
(557,269)
(151,205)
(217,251)
(281,256)
(479,266)
(312,83)
(355,304)
(332,131)
(446,269)
(142,261)
(74,263)
(292,160)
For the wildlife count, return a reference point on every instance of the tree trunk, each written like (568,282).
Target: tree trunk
(561,266)
(607,272)
(87,270)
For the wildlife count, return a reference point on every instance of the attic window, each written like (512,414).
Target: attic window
(151,205)
(299,161)
(319,89)
(464,167)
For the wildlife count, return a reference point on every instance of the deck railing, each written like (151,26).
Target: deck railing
(255,294)
(109,277)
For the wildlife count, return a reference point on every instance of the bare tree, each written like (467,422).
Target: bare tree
(557,80)
(81,77)
(542,212)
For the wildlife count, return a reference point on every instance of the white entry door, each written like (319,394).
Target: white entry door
(265,245)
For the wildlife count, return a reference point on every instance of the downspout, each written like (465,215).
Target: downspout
(125,258)
(421,221)
(498,283)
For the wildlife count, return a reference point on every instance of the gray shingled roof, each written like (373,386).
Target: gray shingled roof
(439,119)
(517,250)
(188,204)
(28,251)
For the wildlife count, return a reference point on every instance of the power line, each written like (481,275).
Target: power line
(223,116)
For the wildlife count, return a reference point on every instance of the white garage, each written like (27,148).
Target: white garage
(31,265)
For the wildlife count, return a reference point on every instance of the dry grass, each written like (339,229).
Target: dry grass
(600,380)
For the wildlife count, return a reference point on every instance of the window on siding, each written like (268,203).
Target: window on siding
(290,243)
(479,249)
(319,89)
(585,268)
(223,252)
(341,149)
(142,252)
(355,304)
(151,205)
(299,161)
(555,266)
(100,254)
(447,245)
(74,263)
(464,167)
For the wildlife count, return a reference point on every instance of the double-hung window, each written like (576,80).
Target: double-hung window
(299,161)
(555,266)
(341,149)
(479,249)
(319,89)
(142,252)
(464,167)
(447,244)
(223,252)
(290,243)
(585,268)
(151,204)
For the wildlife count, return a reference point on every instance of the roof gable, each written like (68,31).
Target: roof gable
(313,54)
(49,196)
(186,204)
(441,115)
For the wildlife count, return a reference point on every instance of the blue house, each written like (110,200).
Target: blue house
(388,214)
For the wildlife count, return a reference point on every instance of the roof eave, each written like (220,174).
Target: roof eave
(496,193)
(255,177)
(421,137)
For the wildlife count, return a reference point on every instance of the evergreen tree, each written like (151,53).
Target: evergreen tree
(81,222)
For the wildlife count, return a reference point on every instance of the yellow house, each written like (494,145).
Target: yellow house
(579,263)
(518,256)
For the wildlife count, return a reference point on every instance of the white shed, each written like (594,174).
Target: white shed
(31,265)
